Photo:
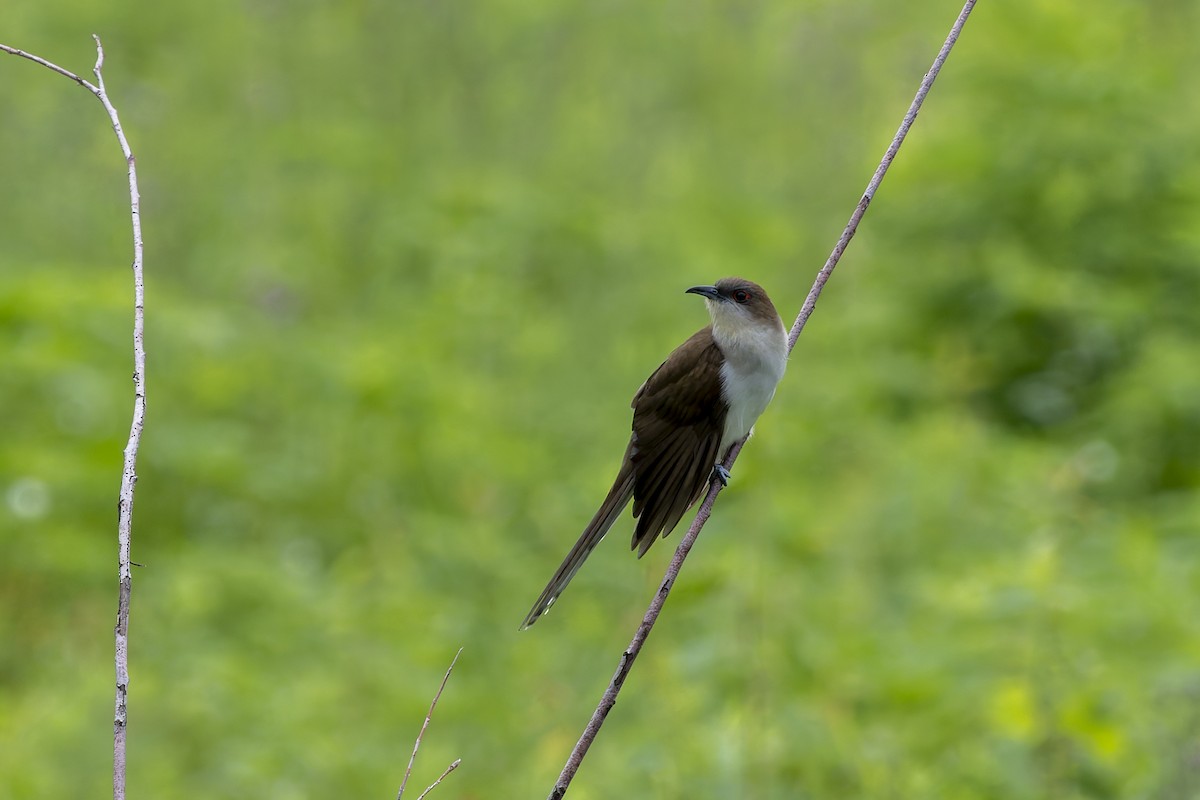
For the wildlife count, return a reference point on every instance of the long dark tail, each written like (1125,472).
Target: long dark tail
(618,497)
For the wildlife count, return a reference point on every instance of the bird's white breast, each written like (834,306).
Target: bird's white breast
(755,359)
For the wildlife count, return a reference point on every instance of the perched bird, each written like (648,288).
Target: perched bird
(700,401)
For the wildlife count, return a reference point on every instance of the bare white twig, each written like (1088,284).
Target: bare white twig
(417,743)
(66,73)
(609,699)
(129,469)
(453,766)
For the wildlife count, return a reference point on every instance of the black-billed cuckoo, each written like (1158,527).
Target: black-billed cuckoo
(700,401)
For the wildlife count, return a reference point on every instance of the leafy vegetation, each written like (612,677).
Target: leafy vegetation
(406,264)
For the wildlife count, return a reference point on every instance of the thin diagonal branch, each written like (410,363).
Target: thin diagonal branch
(910,116)
(66,73)
(453,766)
(609,699)
(129,468)
(417,744)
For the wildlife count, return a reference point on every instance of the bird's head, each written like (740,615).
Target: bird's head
(737,305)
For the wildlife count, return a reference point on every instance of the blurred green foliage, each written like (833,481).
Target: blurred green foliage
(406,264)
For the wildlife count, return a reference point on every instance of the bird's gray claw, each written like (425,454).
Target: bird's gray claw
(720,473)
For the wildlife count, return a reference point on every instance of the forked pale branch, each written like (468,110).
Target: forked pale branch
(609,699)
(129,469)
(417,744)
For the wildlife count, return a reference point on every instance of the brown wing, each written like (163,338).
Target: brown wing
(678,421)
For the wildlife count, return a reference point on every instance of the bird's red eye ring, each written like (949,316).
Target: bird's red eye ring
(742,296)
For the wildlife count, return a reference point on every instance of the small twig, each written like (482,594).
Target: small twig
(66,73)
(609,699)
(453,766)
(417,743)
(129,469)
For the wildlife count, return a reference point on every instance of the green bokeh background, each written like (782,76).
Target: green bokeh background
(407,262)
